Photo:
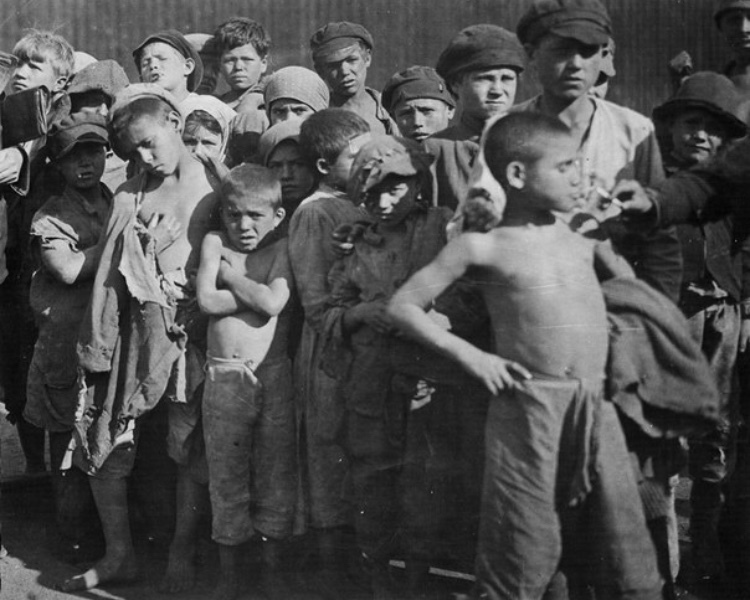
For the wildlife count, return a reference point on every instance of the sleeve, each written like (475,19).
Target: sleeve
(48,228)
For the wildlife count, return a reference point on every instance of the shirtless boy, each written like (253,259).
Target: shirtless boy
(540,503)
(244,284)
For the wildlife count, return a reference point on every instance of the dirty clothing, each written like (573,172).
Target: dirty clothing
(559,492)
(248,420)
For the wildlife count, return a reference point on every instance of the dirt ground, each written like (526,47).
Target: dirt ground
(31,571)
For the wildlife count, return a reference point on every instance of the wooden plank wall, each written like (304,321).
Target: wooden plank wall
(648,32)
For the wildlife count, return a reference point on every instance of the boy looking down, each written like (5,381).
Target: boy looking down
(546,372)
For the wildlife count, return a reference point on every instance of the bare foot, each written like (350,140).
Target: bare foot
(180,575)
(108,568)
(227,589)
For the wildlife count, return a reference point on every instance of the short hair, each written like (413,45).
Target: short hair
(239,31)
(327,133)
(142,107)
(200,118)
(519,137)
(42,45)
(255,181)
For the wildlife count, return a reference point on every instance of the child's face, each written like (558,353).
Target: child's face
(201,142)
(247,220)
(735,27)
(392,200)
(83,166)
(154,143)
(553,181)
(35,72)
(297,178)
(697,135)
(347,75)
(242,67)
(287,109)
(486,93)
(337,174)
(163,65)
(567,68)
(419,118)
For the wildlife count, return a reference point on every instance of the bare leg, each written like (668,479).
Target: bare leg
(192,499)
(229,584)
(119,561)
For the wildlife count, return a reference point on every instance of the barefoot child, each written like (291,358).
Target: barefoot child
(244,283)
(549,429)
(132,339)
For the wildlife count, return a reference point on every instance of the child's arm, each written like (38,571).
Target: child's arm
(408,310)
(70,265)
(211,299)
(267,300)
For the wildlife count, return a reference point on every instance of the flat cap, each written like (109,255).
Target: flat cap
(275,135)
(77,128)
(136,91)
(415,82)
(478,47)
(106,76)
(174,38)
(723,6)
(584,20)
(709,91)
(331,38)
(297,83)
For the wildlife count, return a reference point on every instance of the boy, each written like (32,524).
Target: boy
(167,59)
(732,18)
(701,119)
(550,348)
(391,178)
(294,93)
(65,233)
(419,101)
(342,53)
(44,59)
(244,283)
(329,140)
(132,340)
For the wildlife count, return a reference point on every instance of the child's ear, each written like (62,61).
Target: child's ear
(189,66)
(278,217)
(59,84)
(322,166)
(174,119)
(515,174)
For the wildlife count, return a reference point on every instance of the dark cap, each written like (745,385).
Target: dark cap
(584,20)
(724,6)
(105,76)
(331,38)
(709,91)
(174,38)
(478,47)
(415,82)
(78,128)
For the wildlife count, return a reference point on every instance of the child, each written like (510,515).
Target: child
(701,119)
(280,152)
(294,93)
(546,372)
(204,135)
(244,284)
(132,339)
(342,53)
(44,59)
(65,233)
(419,101)
(329,140)
(391,178)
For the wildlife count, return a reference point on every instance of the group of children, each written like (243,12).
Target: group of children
(465,336)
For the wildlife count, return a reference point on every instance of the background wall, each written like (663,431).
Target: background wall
(648,32)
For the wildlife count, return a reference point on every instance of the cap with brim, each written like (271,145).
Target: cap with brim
(478,47)
(297,83)
(708,91)
(81,60)
(328,42)
(586,21)
(174,38)
(136,91)
(275,135)
(724,6)
(105,76)
(415,83)
(78,128)
(381,157)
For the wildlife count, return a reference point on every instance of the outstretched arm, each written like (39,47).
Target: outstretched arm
(409,307)
(212,300)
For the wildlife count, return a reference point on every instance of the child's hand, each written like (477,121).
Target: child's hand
(165,230)
(495,373)
(11,161)
(369,313)
(344,236)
